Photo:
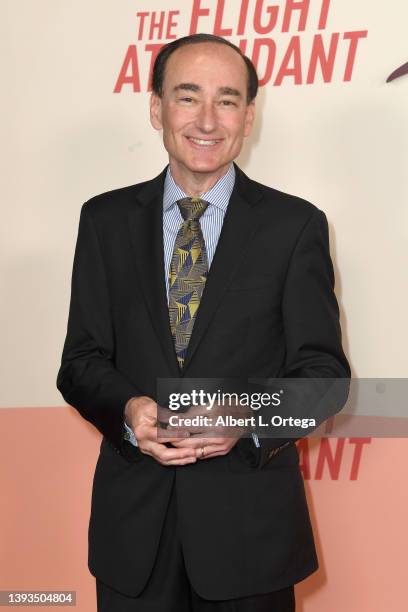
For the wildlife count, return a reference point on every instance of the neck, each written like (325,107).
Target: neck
(196,183)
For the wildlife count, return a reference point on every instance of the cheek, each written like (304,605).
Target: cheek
(237,137)
(235,128)
(172,121)
(177,118)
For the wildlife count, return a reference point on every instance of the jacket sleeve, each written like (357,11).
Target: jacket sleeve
(314,350)
(88,379)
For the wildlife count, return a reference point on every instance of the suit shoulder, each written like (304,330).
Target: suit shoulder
(115,197)
(275,204)
(122,198)
(288,203)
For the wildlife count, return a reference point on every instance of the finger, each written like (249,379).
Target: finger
(209,429)
(172,433)
(193,411)
(213,449)
(184,461)
(214,454)
(164,454)
(194,429)
(154,434)
(172,439)
(180,461)
(191,442)
(145,432)
(150,414)
(197,435)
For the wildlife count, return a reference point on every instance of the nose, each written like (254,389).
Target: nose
(206,119)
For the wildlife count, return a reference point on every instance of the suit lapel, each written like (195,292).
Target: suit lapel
(238,229)
(146,231)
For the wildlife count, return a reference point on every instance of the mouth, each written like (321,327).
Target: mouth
(201,142)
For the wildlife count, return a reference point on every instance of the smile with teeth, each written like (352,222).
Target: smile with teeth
(205,143)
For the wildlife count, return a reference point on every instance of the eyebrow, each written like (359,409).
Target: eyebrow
(224,91)
(229,91)
(187,87)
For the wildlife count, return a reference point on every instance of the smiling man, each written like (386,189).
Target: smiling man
(198,273)
(205,119)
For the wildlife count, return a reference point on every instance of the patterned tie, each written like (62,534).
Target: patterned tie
(188,273)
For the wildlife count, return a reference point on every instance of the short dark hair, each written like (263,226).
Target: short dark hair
(165,52)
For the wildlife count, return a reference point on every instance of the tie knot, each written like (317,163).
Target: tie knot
(191,208)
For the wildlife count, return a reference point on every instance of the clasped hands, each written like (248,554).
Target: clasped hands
(188,443)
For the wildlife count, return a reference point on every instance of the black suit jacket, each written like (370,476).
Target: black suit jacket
(268,310)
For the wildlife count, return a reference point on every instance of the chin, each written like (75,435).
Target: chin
(206,166)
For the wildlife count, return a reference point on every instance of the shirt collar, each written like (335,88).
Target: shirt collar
(218,195)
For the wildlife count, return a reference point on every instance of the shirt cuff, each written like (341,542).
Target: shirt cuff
(129,435)
(256,440)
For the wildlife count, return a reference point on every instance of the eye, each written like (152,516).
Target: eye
(228,103)
(187,99)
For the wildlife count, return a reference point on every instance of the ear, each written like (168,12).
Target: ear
(249,118)
(155,111)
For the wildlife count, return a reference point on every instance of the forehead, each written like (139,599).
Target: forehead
(212,63)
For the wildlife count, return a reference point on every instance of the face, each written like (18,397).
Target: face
(203,111)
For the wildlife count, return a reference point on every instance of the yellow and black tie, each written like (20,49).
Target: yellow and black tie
(188,273)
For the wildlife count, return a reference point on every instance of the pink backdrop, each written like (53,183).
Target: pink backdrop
(358,508)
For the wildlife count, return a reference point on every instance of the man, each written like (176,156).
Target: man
(198,273)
